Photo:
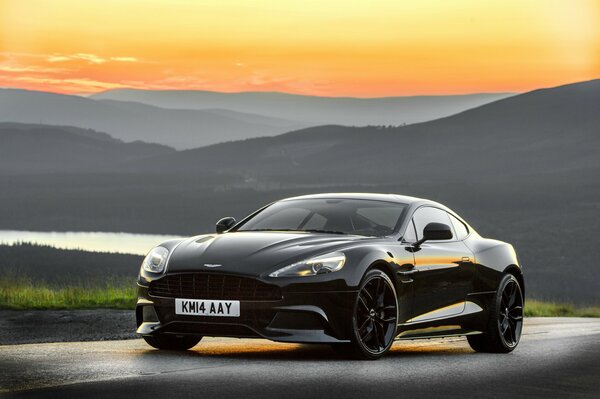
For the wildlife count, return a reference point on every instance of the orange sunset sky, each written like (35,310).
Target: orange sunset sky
(333,48)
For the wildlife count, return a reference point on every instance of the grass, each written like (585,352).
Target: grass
(535,308)
(17,292)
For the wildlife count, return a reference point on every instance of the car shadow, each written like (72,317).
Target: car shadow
(299,352)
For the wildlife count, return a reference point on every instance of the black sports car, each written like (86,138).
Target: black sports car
(356,271)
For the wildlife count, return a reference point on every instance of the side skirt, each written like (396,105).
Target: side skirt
(436,332)
(443,323)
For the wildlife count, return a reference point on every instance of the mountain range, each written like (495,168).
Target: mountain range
(222,117)
(544,131)
(312,110)
(33,148)
(130,121)
(540,132)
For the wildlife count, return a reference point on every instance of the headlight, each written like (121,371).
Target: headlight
(156,260)
(318,265)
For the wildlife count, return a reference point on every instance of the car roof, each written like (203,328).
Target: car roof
(403,199)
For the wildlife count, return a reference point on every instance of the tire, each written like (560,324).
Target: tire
(374,318)
(505,322)
(172,342)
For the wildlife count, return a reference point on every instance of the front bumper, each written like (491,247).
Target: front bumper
(308,317)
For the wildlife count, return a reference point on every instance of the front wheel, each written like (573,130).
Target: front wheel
(506,320)
(172,342)
(374,319)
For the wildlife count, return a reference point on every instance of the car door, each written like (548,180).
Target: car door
(443,270)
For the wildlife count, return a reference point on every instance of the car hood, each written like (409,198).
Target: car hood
(252,253)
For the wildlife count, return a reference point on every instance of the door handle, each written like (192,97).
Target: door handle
(407,272)
(465,259)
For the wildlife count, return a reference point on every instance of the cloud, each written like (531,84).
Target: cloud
(265,80)
(124,59)
(58,72)
(58,58)
(87,57)
(31,68)
(188,82)
(81,84)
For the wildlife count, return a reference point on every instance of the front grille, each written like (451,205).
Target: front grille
(213,286)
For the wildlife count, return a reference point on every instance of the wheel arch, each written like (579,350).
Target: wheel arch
(518,274)
(369,258)
(385,267)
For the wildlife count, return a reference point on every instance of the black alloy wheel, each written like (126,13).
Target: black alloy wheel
(506,320)
(374,319)
(510,321)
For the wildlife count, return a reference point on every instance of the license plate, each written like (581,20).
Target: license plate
(204,307)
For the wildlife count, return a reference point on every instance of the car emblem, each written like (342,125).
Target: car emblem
(212,265)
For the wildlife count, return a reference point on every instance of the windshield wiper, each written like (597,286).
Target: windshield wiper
(268,230)
(323,231)
(300,230)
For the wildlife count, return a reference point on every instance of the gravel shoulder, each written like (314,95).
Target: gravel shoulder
(39,326)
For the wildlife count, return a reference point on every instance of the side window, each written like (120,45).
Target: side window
(461,230)
(409,234)
(423,216)
(382,216)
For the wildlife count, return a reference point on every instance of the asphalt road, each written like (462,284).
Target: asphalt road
(69,325)
(557,357)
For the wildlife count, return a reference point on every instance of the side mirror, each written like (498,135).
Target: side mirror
(435,231)
(225,224)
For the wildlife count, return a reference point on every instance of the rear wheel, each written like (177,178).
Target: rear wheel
(506,320)
(172,342)
(374,319)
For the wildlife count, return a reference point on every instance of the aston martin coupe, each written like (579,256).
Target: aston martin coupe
(356,271)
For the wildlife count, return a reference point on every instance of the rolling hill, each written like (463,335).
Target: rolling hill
(133,121)
(312,110)
(541,132)
(30,148)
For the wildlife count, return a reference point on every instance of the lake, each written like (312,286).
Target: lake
(129,243)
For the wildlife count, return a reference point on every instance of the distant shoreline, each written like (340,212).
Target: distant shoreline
(90,241)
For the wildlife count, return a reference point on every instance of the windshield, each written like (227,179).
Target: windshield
(334,216)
